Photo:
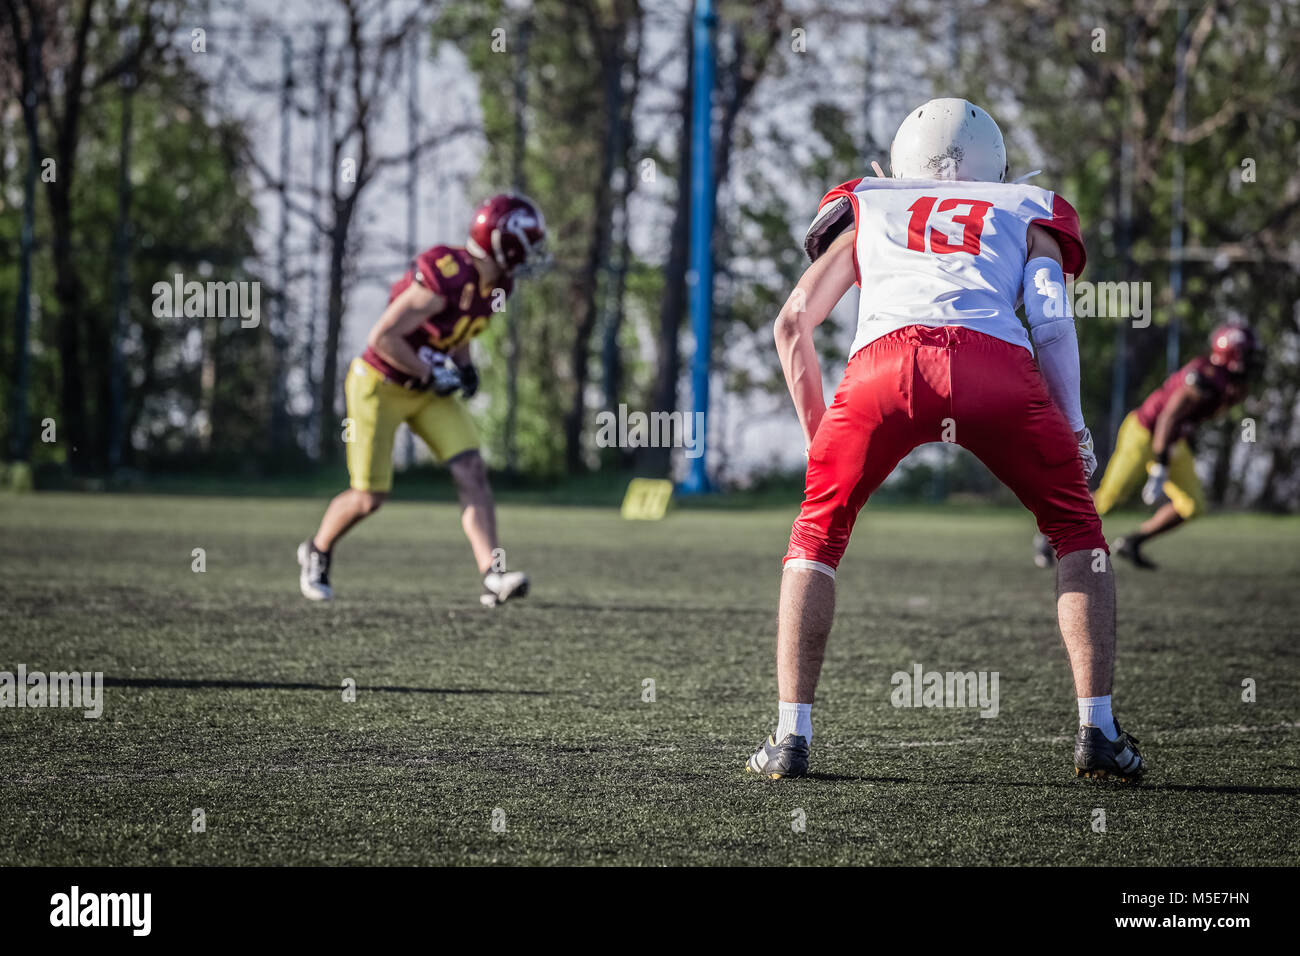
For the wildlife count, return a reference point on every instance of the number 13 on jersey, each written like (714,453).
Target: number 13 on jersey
(972,221)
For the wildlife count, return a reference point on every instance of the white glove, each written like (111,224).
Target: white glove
(1087,453)
(1154,489)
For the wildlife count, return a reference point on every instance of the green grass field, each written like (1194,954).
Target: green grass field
(224,692)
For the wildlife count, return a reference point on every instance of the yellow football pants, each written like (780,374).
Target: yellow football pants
(377,407)
(1127,472)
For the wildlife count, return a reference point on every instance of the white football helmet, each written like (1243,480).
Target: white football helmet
(949,139)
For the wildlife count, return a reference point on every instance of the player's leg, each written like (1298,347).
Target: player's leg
(477,508)
(863,436)
(804,617)
(445,425)
(1166,518)
(998,393)
(1125,473)
(479,519)
(1085,611)
(345,510)
(1129,546)
(1127,468)
(806,612)
(1186,501)
(374,410)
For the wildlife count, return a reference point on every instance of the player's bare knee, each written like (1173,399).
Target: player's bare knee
(368,502)
(469,472)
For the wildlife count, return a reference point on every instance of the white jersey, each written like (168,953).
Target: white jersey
(934,252)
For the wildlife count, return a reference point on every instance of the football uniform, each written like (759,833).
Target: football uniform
(940,355)
(1127,468)
(377,399)
(1215,390)
(449,272)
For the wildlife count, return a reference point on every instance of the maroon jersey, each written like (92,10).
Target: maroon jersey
(450,272)
(1214,387)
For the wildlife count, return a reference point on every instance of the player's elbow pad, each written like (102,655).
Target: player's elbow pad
(1051,328)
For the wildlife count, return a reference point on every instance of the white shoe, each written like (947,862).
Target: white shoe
(314,581)
(501,586)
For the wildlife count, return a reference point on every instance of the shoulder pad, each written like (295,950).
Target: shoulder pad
(439,269)
(835,213)
(1064,227)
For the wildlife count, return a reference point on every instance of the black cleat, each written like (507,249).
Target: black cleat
(776,761)
(1044,553)
(314,572)
(1131,551)
(1097,758)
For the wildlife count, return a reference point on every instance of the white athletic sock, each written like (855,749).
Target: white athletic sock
(794,719)
(1096,711)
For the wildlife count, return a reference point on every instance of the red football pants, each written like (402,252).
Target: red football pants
(921,384)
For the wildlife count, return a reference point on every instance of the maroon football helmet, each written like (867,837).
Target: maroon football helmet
(510,230)
(1235,348)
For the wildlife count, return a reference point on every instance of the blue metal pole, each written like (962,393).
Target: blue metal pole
(700,276)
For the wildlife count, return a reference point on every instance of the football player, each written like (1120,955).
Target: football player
(417,369)
(1153,438)
(944,253)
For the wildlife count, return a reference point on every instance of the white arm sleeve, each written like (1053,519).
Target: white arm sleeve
(1051,328)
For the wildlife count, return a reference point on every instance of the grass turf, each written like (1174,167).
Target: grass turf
(223,692)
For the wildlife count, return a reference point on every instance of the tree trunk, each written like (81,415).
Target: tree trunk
(72,431)
(609,43)
(586,313)
(673,305)
(611,353)
(329,381)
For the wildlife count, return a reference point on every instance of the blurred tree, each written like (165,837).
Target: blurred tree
(595,121)
(1097,102)
(615,31)
(75,57)
(190,210)
(362,73)
(583,78)
(751,37)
